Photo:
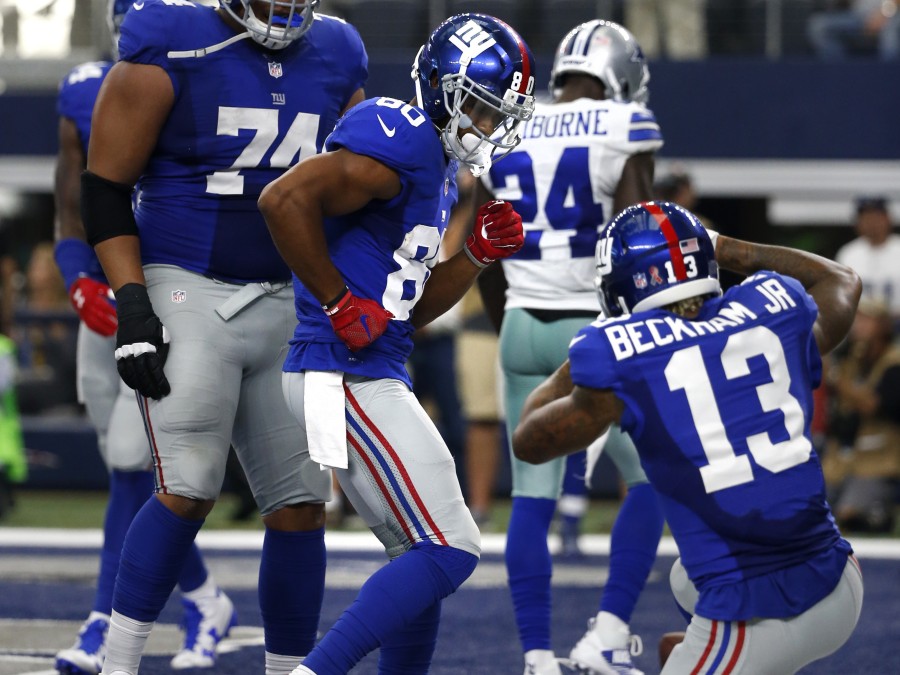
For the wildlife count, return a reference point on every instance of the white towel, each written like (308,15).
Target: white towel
(594,450)
(326,423)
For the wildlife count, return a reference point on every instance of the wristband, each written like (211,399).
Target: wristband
(474,260)
(74,258)
(330,306)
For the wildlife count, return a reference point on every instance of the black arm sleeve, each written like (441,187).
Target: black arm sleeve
(106,208)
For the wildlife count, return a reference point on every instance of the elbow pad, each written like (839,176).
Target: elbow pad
(106,208)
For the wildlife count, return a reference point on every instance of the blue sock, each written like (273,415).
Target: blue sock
(635,538)
(154,552)
(389,603)
(128,490)
(291,589)
(194,573)
(409,651)
(529,568)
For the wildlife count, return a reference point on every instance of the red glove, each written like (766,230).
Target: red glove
(92,301)
(497,233)
(357,321)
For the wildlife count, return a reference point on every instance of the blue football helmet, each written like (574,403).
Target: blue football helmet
(475,74)
(282,24)
(652,255)
(610,53)
(115,15)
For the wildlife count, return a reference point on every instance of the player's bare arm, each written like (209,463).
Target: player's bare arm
(446,286)
(67,181)
(560,418)
(132,107)
(294,206)
(496,233)
(636,183)
(835,287)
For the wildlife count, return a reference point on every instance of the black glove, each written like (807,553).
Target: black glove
(142,343)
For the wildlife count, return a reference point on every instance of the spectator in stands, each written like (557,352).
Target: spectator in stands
(44,329)
(674,29)
(867,386)
(677,187)
(874,254)
(856,26)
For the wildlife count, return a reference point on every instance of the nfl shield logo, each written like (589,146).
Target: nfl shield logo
(179,296)
(275,69)
(640,280)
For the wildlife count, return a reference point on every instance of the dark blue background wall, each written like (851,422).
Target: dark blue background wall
(721,108)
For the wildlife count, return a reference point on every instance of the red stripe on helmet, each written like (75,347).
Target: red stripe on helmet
(665,226)
(523,52)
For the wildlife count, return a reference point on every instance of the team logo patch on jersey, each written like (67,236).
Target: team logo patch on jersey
(178,296)
(275,69)
(640,280)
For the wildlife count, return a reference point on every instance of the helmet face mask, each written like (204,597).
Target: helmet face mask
(652,255)
(608,52)
(280,23)
(474,76)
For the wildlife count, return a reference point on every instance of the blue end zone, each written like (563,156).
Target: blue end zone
(477,634)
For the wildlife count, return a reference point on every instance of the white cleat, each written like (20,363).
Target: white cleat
(591,657)
(206,623)
(86,656)
(541,662)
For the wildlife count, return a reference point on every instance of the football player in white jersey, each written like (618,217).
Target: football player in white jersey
(584,156)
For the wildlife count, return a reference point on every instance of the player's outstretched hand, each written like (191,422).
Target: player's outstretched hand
(358,322)
(142,343)
(92,300)
(497,233)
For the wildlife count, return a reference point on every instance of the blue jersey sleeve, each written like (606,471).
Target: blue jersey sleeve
(590,358)
(77,94)
(340,42)
(395,133)
(145,33)
(150,33)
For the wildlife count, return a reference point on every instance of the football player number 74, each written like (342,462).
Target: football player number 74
(299,142)
(686,371)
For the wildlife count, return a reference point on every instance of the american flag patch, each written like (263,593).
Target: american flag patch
(640,280)
(275,69)
(689,245)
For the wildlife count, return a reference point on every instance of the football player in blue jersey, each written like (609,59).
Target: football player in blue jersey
(716,391)
(584,156)
(209,613)
(205,107)
(361,227)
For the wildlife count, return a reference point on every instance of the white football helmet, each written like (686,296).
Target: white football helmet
(610,53)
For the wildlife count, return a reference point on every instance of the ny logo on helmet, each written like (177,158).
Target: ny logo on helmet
(471,39)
